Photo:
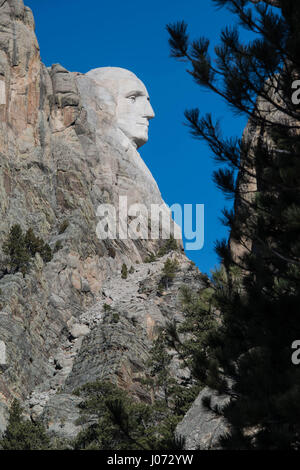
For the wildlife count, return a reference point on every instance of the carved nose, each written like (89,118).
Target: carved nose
(149,113)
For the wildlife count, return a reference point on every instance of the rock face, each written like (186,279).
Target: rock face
(61,157)
(118,342)
(250,179)
(200,427)
(125,99)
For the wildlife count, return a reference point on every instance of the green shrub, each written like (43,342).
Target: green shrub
(16,250)
(46,253)
(115,317)
(169,270)
(121,423)
(58,246)
(37,245)
(169,245)
(204,278)
(111,251)
(22,434)
(63,227)
(107,308)
(150,259)
(124,272)
(20,248)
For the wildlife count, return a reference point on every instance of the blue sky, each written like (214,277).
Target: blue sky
(85,35)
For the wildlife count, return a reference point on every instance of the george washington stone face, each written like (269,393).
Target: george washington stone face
(132,103)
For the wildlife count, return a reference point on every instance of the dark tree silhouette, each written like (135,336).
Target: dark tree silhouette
(249,355)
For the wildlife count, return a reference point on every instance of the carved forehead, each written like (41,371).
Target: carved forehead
(117,80)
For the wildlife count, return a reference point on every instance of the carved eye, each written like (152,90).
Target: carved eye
(132,98)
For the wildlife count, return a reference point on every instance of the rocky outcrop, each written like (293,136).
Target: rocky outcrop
(200,427)
(60,158)
(273,107)
(114,338)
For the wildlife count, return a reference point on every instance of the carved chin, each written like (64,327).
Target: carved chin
(138,139)
(141,137)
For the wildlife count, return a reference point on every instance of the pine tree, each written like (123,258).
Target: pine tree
(15,248)
(22,434)
(159,367)
(20,248)
(122,423)
(249,355)
(37,245)
(124,271)
(168,271)
(169,245)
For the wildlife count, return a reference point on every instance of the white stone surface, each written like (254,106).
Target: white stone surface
(2,93)
(2,353)
(118,111)
(131,100)
(78,330)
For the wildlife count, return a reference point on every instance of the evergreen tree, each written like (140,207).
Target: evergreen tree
(37,245)
(20,248)
(121,423)
(22,434)
(248,357)
(159,367)
(168,272)
(124,271)
(15,248)
(169,245)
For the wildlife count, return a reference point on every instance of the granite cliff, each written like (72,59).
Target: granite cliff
(58,163)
